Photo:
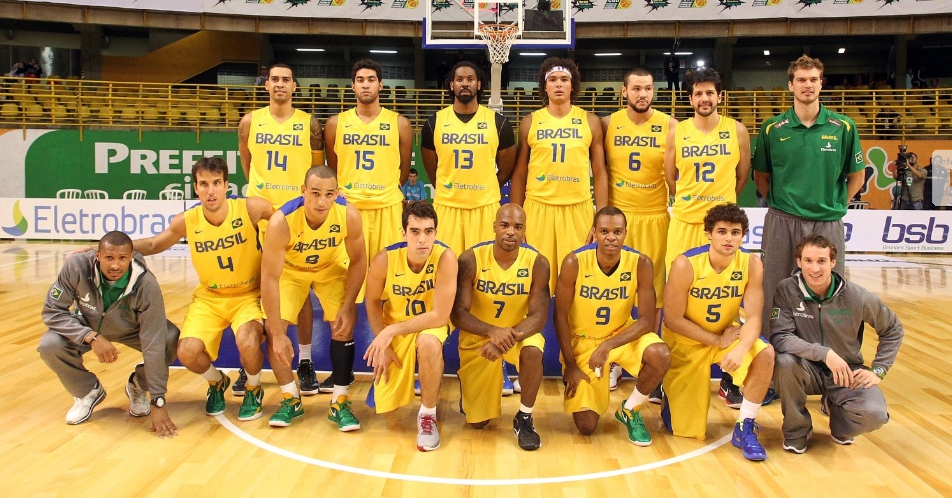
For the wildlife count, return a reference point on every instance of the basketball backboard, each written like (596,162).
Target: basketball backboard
(455,23)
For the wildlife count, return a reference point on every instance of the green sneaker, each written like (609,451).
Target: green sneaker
(636,426)
(341,415)
(215,399)
(251,405)
(290,409)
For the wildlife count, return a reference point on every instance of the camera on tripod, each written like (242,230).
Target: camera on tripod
(902,159)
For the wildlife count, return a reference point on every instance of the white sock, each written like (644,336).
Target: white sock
(748,409)
(525,409)
(292,389)
(338,392)
(427,411)
(304,352)
(253,380)
(635,400)
(212,375)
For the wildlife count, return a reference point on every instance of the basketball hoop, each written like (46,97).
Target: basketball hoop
(498,38)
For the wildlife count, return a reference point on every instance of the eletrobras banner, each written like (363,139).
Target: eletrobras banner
(582,10)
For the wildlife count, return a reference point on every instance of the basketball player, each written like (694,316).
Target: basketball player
(115,298)
(369,147)
(314,242)
(223,241)
(502,304)
(635,139)
(808,165)
(706,163)
(469,152)
(560,146)
(278,143)
(410,292)
(599,286)
(703,296)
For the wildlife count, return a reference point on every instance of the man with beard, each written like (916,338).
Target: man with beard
(706,163)
(635,139)
(469,153)
(808,164)
(278,144)
(369,147)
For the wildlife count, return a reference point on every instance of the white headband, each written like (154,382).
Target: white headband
(558,69)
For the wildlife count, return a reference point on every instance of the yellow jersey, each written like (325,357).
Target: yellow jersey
(501,297)
(312,250)
(707,168)
(466,159)
(715,298)
(408,293)
(368,159)
(227,257)
(280,155)
(560,169)
(635,155)
(603,303)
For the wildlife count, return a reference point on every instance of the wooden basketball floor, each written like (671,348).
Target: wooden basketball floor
(113,454)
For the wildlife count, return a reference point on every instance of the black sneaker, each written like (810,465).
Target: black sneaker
(656,395)
(307,378)
(771,395)
(327,386)
(730,394)
(238,388)
(528,437)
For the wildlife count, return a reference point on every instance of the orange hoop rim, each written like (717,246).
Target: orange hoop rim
(498,32)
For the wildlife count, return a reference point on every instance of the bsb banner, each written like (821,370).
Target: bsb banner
(582,10)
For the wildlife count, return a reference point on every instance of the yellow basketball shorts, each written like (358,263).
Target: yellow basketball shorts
(594,395)
(397,391)
(648,234)
(481,380)
(208,316)
(382,227)
(681,237)
(555,231)
(687,385)
(328,285)
(461,229)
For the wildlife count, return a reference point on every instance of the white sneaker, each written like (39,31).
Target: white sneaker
(516,387)
(138,400)
(428,434)
(83,407)
(614,374)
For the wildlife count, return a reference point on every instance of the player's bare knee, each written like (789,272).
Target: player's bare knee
(429,348)
(249,337)
(658,356)
(766,357)
(586,422)
(530,354)
(479,425)
(189,349)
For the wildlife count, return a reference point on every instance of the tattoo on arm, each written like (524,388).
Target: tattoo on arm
(317,134)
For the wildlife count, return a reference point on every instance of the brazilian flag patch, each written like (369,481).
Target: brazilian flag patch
(298,127)
(384,126)
(655,128)
(625,277)
(56,292)
(429,269)
(237,223)
(482,126)
(725,135)
(335,229)
(737,275)
(522,272)
(576,120)
(775,313)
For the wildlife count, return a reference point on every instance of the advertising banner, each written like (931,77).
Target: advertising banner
(582,10)
(84,219)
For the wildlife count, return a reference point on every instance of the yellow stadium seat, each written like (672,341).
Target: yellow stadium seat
(104,114)
(58,113)
(34,112)
(150,114)
(129,115)
(83,113)
(9,111)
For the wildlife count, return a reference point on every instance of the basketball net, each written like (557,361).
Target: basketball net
(498,38)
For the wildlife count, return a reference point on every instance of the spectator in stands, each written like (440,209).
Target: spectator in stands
(33,69)
(887,122)
(414,190)
(908,79)
(672,68)
(934,83)
(911,195)
(17,70)
(262,76)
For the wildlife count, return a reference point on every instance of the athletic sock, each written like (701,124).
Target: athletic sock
(212,375)
(304,352)
(342,362)
(525,409)
(253,380)
(635,400)
(292,389)
(338,392)
(427,411)
(748,409)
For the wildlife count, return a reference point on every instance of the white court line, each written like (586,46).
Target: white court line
(467,482)
(26,260)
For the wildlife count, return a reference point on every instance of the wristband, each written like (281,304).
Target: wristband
(94,338)
(880,372)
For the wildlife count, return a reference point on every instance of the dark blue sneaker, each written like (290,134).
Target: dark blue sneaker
(770,396)
(745,439)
